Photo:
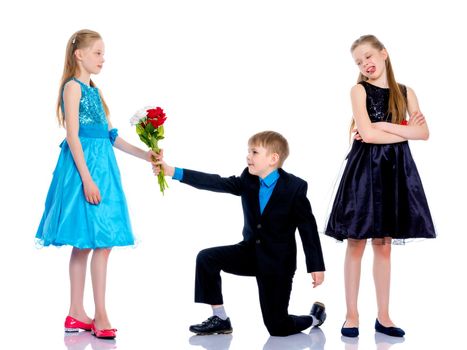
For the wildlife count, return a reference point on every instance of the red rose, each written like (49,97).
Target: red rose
(404,122)
(157,122)
(154,113)
(156,117)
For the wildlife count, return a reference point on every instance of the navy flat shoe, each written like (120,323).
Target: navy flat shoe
(392,331)
(351,332)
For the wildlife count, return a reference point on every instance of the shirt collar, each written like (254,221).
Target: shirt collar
(269,180)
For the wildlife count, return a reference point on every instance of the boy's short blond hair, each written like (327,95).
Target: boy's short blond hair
(273,142)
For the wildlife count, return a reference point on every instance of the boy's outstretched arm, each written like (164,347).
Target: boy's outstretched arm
(203,181)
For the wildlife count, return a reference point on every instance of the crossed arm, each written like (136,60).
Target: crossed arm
(385,132)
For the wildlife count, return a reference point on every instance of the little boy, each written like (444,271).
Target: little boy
(274,206)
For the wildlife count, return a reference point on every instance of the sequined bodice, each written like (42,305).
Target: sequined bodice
(377,101)
(91,111)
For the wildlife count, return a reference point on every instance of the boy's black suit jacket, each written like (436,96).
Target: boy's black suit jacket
(272,233)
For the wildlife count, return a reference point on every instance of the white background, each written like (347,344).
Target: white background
(223,70)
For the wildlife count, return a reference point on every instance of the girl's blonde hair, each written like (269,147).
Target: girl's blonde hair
(397,102)
(81,39)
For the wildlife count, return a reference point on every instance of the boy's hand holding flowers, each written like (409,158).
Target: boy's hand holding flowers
(159,165)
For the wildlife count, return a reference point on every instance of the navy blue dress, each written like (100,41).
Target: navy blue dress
(380,193)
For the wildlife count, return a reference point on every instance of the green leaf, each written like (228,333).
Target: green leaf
(150,129)
(139,129)
(145,140)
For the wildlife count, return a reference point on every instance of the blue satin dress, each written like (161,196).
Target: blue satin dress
(380,193)
(68,218)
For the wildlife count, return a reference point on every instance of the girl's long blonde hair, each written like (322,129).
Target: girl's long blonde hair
(81,39)
(397,101)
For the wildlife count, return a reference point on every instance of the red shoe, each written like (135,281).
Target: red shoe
(74,325)
(103,333)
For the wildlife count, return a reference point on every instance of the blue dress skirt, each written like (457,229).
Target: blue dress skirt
(68,218)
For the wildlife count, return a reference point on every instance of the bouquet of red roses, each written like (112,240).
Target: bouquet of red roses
(149,123)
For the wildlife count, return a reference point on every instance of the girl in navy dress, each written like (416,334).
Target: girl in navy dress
(380,195)
(85,206)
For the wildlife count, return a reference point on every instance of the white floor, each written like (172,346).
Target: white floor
(152,306)
(177,337)
(314,340)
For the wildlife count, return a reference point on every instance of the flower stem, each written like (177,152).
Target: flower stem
(161,176)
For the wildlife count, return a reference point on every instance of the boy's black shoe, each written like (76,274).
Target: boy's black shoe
(318,311)
(213,325)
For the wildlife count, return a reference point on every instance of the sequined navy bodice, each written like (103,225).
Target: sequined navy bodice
(377,101)
(91,111)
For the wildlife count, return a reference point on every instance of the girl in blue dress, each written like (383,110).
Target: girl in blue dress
(380,195)
(85,206)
